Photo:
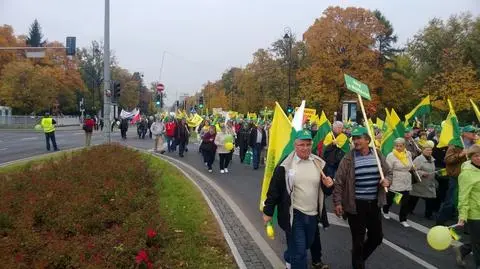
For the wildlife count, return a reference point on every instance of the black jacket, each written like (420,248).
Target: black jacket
(333,155)
(252,140)
(278,196)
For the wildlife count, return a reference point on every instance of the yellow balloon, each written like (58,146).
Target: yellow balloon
(439,238)
(270,231)
(228,146)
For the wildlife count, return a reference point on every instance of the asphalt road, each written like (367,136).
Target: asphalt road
(403,248)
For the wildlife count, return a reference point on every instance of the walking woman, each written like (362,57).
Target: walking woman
(223,153)
(427,188)
(208,147)
(399,160)
(88,126)
(469,206)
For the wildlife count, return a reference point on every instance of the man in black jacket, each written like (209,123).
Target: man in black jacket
(257,140)
(297,189)
(242,140)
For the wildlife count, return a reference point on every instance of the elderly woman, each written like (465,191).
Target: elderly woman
(426,189)
(399,160)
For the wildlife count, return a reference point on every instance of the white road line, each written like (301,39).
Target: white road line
(409,255)
(3,149)
(340,222)
(79,133)
(29,138)
(420,228)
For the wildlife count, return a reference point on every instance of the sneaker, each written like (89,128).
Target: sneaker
(405,224)
(459,257)
(226,170)
(386,216)
(210,170)
(222,171)
(320,265)
(288,265)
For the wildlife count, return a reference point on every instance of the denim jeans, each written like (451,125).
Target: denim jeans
(48,137)
(447,209)
(170,141)
(257,149)
(299,239)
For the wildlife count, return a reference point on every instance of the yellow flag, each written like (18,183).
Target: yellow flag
(475,108)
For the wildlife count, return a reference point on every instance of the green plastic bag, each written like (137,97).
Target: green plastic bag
(248,157)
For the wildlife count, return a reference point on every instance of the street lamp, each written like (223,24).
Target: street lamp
(288,38)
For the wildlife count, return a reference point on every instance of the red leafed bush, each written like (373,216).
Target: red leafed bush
(93,209)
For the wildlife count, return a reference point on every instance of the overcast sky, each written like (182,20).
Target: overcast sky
(202,38)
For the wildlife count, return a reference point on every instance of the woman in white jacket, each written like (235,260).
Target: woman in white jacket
(400,161)
(223,153)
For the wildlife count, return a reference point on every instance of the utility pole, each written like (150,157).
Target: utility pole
(106,74)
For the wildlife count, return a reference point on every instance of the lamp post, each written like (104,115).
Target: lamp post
(288,38)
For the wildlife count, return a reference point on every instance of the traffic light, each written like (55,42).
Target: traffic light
(289,109)
(116,90)
(158,100)
(200,102)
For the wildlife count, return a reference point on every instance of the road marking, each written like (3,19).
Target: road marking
(29,138)
(421,228)
(79,133)
(343,223)
(3,149)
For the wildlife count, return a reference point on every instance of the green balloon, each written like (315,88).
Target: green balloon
(228,139)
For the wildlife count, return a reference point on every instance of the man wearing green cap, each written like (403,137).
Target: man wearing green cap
(359,194)
(297,188)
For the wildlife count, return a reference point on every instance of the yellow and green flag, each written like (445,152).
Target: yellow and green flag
(423,108)
(380,123)
(450,134)
(396,124)
(281,143)
(342,140)
(475,108)
(397,198)
(324,127)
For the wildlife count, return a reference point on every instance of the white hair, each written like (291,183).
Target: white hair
(337,124)
(399,140)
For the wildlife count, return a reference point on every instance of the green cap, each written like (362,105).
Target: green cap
(359,131)
(303,135)
(469,129)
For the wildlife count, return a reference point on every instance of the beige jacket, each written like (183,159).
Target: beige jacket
(402,179)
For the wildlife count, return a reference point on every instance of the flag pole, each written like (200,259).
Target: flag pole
(379,165)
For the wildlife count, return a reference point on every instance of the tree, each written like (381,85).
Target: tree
(386,39)
(8,39)
(341,41)
(129,98)
(35,35)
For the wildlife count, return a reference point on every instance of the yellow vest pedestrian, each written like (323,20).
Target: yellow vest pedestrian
(47,125)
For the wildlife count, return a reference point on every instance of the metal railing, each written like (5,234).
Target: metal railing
(26,122)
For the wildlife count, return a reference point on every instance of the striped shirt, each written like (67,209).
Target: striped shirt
(367,176)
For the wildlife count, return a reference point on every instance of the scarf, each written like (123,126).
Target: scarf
(401,156)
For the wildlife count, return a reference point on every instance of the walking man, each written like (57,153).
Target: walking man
(257,140)
(181,136)
(359,193)
(158,130)
(88,126)
(296,189)
(48,125)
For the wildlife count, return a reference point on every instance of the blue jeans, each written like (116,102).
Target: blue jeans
(170,141)
(299,239)
(447,209)
(51,136)
(256,150)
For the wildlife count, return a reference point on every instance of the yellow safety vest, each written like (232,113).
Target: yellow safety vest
(47,125)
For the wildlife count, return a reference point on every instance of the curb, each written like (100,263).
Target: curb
(38,156)
(228,238)
(262,244)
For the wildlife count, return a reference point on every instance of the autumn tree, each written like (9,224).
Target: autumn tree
(445,57)
(8,39)
(341,41)
(35,35)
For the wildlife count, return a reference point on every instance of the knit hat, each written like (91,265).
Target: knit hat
(474,149)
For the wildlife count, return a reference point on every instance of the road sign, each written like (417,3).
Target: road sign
(357,86)
(160,87)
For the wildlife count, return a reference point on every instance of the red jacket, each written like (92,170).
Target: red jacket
(170,128)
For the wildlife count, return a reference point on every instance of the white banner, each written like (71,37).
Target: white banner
(129,114)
